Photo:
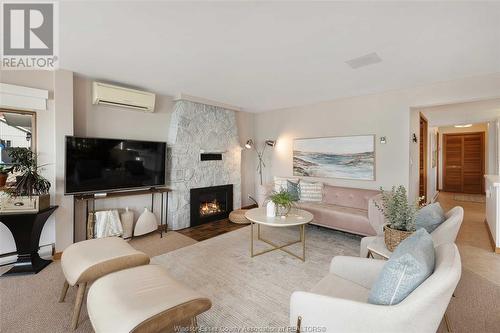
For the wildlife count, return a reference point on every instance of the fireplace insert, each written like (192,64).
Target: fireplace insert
(210,204)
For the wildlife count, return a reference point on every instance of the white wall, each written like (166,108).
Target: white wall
(432,170)
(52,124)
(462,113)
(245,123)
(386,114)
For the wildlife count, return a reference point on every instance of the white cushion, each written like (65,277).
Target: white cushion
(311,191)
(333,285)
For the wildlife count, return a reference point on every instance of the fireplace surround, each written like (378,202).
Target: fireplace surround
(203,150)
(210,203)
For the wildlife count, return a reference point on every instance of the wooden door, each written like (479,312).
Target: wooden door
(463,162)
(423,159)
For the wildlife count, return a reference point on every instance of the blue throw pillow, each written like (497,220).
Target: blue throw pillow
(429,217)
(293,189)
(411,263)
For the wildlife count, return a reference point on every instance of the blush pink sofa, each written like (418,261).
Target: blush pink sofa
(346,209)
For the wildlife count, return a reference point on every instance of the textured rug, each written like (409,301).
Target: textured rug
(470,198)
(28,303)
(254,292)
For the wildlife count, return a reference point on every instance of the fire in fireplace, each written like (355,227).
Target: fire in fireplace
(209,208)
(210,204)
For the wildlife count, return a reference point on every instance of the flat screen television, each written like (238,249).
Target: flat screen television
(96,165)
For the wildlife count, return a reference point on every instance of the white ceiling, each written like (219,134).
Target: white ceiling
(261,56)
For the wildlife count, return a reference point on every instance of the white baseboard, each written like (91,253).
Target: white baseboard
(45,252)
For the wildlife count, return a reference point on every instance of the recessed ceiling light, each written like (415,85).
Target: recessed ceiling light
(368,59)
(463,126)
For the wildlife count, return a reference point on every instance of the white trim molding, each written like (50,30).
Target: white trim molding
(23,98)
(201,100)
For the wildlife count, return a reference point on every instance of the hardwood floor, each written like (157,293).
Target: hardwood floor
(210,229)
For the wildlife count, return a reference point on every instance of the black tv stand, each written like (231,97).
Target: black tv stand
(91,198)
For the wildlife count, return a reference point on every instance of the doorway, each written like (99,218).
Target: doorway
(464,162)
(424,128)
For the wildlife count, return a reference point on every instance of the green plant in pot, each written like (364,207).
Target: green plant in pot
(283,200)
(399,214)
(4,173)
(29,183)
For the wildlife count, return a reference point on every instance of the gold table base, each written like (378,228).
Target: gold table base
(302,240)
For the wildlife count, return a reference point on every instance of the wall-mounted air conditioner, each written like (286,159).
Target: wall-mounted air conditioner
(108,94)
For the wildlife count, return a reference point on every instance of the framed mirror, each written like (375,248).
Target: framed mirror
(17,129)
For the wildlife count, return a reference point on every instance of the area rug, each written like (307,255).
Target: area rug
(470,198)
(254,292)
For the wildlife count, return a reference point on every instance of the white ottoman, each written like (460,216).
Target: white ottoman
(87,261)
(142,299)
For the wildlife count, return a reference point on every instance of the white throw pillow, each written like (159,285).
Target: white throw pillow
(311,191)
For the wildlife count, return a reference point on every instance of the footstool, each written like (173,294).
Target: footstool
(143,299)
(87,261)
(238,216)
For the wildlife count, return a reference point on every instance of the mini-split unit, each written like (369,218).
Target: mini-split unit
(112,95)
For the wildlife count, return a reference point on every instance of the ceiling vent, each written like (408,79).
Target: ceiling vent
(366,60)
(108,94)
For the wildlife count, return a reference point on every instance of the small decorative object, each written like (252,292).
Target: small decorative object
(348,157)
(146,223)
(107,224)
(4,173)
(283,201)
(260,154)
(414,138)
(400,215)
(270,209)
(127,219)
(31,191)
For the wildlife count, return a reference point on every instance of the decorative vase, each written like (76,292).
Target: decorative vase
(270,209)
(127,218)
(282,210)
(392,237)
(146,223)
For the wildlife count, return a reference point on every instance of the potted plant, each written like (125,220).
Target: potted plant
(400,216)
(30,185)
(4,173)
(283,201)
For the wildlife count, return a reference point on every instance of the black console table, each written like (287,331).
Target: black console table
(90,200)
(26,229)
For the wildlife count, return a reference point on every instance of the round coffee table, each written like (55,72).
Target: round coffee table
(296,217)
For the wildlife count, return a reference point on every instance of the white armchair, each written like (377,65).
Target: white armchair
(339,301)
(446,232)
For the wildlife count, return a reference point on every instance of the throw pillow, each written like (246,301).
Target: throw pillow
(411,263)
(294,190)
(430,217)
(311,191)
(280,183)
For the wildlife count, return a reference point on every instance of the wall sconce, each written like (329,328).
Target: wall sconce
(414,138)
(260,154)
(383,140)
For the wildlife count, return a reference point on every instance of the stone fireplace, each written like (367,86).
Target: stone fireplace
(203,152)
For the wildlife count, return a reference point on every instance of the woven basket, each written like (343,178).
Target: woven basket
(393,237)
(238,216)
